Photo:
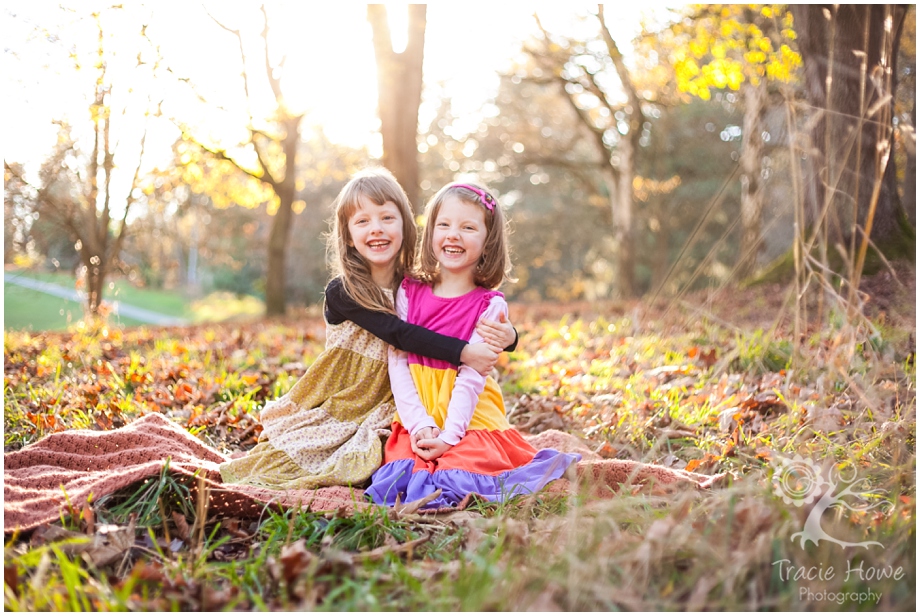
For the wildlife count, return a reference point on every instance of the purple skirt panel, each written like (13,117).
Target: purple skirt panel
(396,479)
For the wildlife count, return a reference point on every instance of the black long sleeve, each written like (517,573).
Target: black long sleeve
(513,345)
(390,328)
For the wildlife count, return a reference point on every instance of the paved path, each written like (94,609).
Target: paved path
(120,308)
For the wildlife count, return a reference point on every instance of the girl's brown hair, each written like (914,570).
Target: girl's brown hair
(379,186)
(494,265)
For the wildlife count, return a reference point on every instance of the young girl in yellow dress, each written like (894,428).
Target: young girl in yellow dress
(327,429)
(450,432)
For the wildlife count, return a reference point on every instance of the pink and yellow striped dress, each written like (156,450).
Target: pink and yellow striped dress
(488,456)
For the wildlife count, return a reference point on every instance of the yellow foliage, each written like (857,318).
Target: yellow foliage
(643,188)
(686,69)
(194,172)
(273,205)
(755,57)
(724,49)
(698,48)
(735,78)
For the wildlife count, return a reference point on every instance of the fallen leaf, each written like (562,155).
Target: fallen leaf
(182,527)
(88,520)
(109,543)
(232,526)
(410,508)
(709,357)
(295,558)
(11,578)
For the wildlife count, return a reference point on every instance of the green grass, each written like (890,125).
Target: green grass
(27,309)
(172,303)
(30,310)
(653,395)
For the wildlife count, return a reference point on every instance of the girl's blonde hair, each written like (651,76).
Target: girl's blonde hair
(379,186)
(494,265)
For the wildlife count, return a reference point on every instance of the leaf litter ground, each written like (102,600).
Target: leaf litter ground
(709,383)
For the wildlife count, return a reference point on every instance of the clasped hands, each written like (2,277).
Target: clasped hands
(426,444)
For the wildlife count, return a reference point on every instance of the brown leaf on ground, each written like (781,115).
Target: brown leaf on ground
(11,578)
(391,546)
(540,423)
(88,520)
(295,559)
(409,508)
(232,526)
(182,528)
(110,543)
(45,535)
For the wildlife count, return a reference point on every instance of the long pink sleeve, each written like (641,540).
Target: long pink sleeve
(412,414)
(468,386)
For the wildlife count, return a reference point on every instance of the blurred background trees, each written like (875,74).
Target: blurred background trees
(850,54)
(78,190)
(687,154)
(269,147)
(399,93)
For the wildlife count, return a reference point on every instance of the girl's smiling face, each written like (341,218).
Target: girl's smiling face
(459,235)
(376,232)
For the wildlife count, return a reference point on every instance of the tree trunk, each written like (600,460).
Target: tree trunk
(755,97)
(95,280)
(399,91)
(909,201)
(279,237)
(623,219)
(622,238)
(851,170)
(661,257)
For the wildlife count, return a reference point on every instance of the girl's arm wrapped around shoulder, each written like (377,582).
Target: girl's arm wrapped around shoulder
(390,328)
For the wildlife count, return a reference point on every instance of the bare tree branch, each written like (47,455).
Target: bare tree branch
(622,72)
(273,80)
(222,154)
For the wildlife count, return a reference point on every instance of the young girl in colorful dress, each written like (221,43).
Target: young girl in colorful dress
(327,429)
(450,431)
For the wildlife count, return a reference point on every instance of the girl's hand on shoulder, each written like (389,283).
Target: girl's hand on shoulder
(481,357)
(497,333)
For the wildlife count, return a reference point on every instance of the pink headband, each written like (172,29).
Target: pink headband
(485,198)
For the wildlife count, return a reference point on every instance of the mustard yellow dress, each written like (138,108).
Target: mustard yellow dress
(328,429)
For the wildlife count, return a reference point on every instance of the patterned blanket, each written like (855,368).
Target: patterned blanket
(39,480)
